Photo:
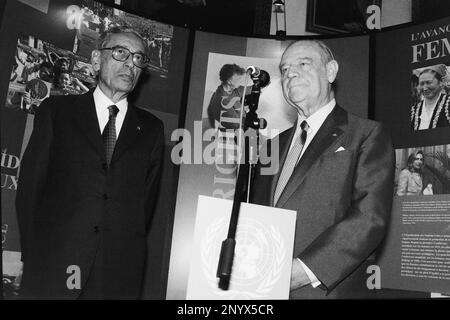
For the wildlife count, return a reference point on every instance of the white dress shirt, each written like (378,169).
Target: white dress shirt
(314,121)
(102,102)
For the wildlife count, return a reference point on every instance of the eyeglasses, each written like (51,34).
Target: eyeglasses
(121,54)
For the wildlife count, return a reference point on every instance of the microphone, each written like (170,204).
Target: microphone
(259,75)
(254,71)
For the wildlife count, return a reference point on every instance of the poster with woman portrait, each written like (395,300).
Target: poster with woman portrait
(228,78)
(416,254)
(412,86)
(412,83)
(422,170)
(430,87)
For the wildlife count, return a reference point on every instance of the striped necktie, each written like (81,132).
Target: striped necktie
(291,161)
(109,133)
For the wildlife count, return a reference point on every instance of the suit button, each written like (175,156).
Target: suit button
(104,166)
(96,229)
(105,196)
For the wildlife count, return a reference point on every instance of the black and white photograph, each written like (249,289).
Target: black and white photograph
(430,93)
(223,156)
(423,171)
(41,70)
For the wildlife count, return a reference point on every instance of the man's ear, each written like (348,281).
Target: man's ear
(332,70)
(96,60)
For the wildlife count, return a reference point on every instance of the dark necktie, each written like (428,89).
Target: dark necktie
(109,133)
(291,161)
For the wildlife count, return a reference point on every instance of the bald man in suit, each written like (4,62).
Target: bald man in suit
(337,172)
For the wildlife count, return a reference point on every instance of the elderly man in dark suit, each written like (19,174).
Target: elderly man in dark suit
(88,183)
(337,172)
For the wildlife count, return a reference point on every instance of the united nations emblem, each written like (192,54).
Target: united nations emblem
(259,258)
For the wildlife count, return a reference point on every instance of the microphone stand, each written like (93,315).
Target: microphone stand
(244,180)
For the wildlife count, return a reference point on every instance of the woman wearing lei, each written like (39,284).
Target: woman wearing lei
(433,108)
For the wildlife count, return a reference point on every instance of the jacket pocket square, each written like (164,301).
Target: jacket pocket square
(340,149)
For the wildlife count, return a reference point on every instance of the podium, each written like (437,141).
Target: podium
(263,253)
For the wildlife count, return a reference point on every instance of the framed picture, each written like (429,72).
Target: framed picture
(332,17)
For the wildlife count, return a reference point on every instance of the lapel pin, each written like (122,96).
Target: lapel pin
(334,134)
(138,128)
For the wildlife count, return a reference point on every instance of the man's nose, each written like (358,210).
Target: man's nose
(293,71)
(129,61)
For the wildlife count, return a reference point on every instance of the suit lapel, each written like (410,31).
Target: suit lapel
(332,128)
(86,119)
(131,129)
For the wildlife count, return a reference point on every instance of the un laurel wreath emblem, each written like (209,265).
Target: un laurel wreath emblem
(258,262)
